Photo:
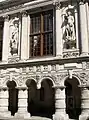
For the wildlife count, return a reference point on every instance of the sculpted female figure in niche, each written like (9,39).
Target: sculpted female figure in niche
(14,36)
(70,31)
(69,34)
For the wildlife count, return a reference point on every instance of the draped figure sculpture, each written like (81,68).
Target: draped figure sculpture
(14,36)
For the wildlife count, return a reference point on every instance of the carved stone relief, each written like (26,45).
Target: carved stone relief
(20,75)
(57,4)
(68,25)
(83,76)
(14,35)
(71,54)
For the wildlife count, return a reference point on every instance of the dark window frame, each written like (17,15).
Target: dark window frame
(43,35)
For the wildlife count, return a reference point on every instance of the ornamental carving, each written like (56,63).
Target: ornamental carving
(84,77)
(71,54)
(20,80)
(13,59)
(57,4)
(14,35)
(68,25)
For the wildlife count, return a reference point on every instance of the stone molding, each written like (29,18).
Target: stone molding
(26,6)
(38,73)
(6,17)
(57,4)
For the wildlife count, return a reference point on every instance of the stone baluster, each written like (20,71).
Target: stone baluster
(60,104)
(4,103)
(83,29)
(22,103)
(59,44)
(84,103)
(5,39)
(24,42)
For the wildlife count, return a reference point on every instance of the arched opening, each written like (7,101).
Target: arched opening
(46,98)
(13,97)
(41,101)
(73,98)
(31,84)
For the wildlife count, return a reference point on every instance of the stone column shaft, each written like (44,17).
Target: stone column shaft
(5,39)
(59,44)
(24,41)
(83,29)
(4,103)
(60,104)
(84,103)
(22,104)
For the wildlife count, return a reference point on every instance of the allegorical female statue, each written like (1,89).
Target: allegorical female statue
(69,34)
(69,28)
(14,36)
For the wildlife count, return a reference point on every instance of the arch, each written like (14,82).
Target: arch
(73,76)
(73,97)
(13,97)
(47,97)
(28,81)
(41,101)
(47,78)
(11,84)
(8,80)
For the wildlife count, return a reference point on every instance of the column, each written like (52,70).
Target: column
(60,104)
(4,103)
(59,44)
(84,103)
(83,29)
(22,104)
(76,26)
(5,39)
(25,41)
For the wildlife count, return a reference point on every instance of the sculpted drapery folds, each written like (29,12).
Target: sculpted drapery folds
(69,32)
(14,35)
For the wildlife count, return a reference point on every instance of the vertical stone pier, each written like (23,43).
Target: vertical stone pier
(83,28)
(84,103)
(60,113)
(22,103)
(59,44)
(4,103)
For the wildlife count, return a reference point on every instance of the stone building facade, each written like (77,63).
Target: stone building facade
(44,54)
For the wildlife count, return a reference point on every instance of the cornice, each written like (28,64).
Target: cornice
(44,61)
(24,7)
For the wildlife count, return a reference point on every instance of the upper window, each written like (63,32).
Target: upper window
(41,34)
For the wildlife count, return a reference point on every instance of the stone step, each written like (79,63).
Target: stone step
(31,118)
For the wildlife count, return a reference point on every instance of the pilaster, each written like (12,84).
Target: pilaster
(84,103)
(22,104)
(5,39)
(59,44)
(4,103)
(24,41)
(60,104)
(83,28)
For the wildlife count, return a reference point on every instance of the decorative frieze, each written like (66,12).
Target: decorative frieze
(71,53)
(37,73)
(83,76)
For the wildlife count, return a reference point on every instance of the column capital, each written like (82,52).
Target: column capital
(59,87)
(24,13)
(21,88)
(82,1)
(57,4)
(6,17)
(84,86)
